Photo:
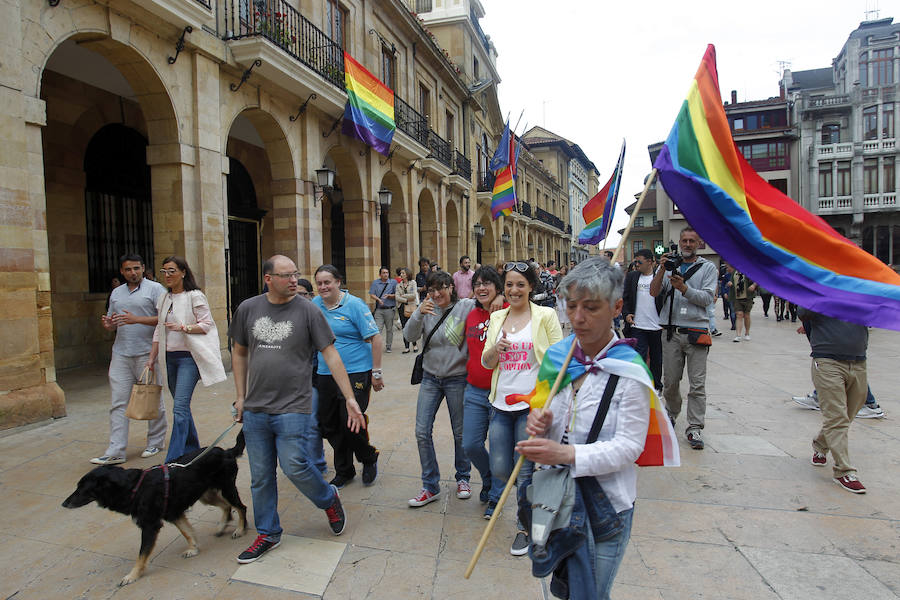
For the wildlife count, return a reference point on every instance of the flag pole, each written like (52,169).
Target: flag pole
(634,213)
(519,120)
(515,472)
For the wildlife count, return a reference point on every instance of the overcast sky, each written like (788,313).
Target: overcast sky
(599,71)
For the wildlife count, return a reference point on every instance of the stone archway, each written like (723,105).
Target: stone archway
(350,235)
(451,223)
(429,230)
(395,233)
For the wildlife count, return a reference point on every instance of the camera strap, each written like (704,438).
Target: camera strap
(670,328)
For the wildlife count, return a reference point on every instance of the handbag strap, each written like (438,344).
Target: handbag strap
(441,320)
(145,374)
(602,409)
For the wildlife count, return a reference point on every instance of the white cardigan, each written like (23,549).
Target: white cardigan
(204,348)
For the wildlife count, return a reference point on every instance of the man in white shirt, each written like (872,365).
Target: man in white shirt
(641,313)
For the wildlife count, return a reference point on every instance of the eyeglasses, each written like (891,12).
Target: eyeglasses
(168,271)
(303,293)
(481,284)
(294,275)
(518,266)
(436,290)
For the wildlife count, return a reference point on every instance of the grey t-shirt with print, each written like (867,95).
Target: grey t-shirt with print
(282,340)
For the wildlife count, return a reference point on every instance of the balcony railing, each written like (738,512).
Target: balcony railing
(410,122)
(422,6)
(820,102)
(485,181)
(462,166)
(526,209)
(440,148)
(205,3)
(550,219)
(284,26)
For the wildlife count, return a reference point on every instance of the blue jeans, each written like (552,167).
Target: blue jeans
(284,437)
(508,428)
(608,555)
(316,446)
(431,391)
(183,375)
(476,418)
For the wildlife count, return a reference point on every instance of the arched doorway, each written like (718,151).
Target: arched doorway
(243,258)
(454,250)
(428,228)
(394,226)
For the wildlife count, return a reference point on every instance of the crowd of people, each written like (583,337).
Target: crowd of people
(305,365)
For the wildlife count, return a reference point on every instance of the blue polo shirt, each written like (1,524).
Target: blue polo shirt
(383,288)
(136,339)
(352,324)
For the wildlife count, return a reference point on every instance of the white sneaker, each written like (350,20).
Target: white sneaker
(868,412)
(736,339)
(150,451)
(747,338)
(808,401)
(108,460)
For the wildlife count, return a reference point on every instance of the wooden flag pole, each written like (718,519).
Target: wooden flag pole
(637,207)
(515,472)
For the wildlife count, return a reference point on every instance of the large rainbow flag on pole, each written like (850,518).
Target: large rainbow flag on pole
(762,232)
(660,447)
(598,211)
(503,197)
(369,114)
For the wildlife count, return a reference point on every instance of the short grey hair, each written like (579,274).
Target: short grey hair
(594,278)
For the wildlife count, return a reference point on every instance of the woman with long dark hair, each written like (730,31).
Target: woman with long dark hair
(188,333)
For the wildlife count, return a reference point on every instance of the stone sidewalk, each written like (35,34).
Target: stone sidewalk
(746,518)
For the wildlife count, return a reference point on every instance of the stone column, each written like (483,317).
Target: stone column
(298,228)
(362,243)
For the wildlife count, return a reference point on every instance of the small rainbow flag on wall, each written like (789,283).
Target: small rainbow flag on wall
(660,446)
(762,232)
(369,114)
(598,211)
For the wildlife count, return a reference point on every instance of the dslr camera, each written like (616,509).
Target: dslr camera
(674,258)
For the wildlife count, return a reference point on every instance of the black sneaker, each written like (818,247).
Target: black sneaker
(520,544)
(489,510)
(257,549)
(336,517)
(370,472)
(485,493)
(340,481)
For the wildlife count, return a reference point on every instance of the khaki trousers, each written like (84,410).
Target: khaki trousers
(678,353)
(841,387)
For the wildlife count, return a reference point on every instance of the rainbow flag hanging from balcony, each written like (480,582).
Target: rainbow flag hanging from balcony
(369,115)
(759,230)
(598,211)
(503,197)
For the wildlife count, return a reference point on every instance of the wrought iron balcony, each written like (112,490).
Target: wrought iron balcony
(440,148)
(526,209)
(485,181)
(284,26)
(462,166)
(410,122)
(550,219)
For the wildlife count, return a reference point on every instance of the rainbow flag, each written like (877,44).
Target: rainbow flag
(503,197)
(369,114)
(762,232)
(660,446)
(598,211)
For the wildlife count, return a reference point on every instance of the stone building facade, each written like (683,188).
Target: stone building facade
(196,128)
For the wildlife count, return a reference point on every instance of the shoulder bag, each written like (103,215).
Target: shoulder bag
(418,366)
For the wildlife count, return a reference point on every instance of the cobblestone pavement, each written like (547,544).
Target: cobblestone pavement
(748,517)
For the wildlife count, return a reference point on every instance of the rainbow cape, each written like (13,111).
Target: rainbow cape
(762,232)
(503,197)
(598,211)
(369,114)
(660,447)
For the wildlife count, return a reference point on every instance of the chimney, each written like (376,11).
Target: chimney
(734,96)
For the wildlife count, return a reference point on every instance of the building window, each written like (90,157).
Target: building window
(825,189)
(639,221)
(476,75)
(636,245)
(882,67)
(738,124)
(887,120)
(388,66)
(883,243)
(843,178)
(831,133)
(448,117)
(425,102)
(766,156)
(864,69)
(870,176)
(337,22)
(890,183)
(870,123)
(780,185)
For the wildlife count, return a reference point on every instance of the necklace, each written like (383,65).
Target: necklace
(518,324)
(336,304)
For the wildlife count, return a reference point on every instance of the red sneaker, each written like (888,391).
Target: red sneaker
(850,483)
(818,459)
(424,498)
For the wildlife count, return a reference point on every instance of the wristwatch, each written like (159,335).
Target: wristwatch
(188,328)
(376,374)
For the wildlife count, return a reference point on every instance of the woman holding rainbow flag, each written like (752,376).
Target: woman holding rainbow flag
(604,469)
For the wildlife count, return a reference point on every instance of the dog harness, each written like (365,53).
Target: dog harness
(165,469)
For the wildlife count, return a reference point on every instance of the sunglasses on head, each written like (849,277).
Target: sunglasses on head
(518,266)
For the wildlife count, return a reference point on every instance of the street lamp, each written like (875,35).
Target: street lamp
(324,182)
(505,238)
(478,230)
(384,201)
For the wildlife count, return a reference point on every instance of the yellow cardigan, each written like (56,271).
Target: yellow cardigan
(545,331)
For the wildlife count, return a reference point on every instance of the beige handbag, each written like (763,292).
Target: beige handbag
(144,402)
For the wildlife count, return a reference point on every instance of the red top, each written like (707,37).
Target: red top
(476,333)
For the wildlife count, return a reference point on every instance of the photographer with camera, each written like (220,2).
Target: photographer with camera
(688,283)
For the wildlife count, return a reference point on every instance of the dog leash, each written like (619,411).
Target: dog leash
(208,448)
